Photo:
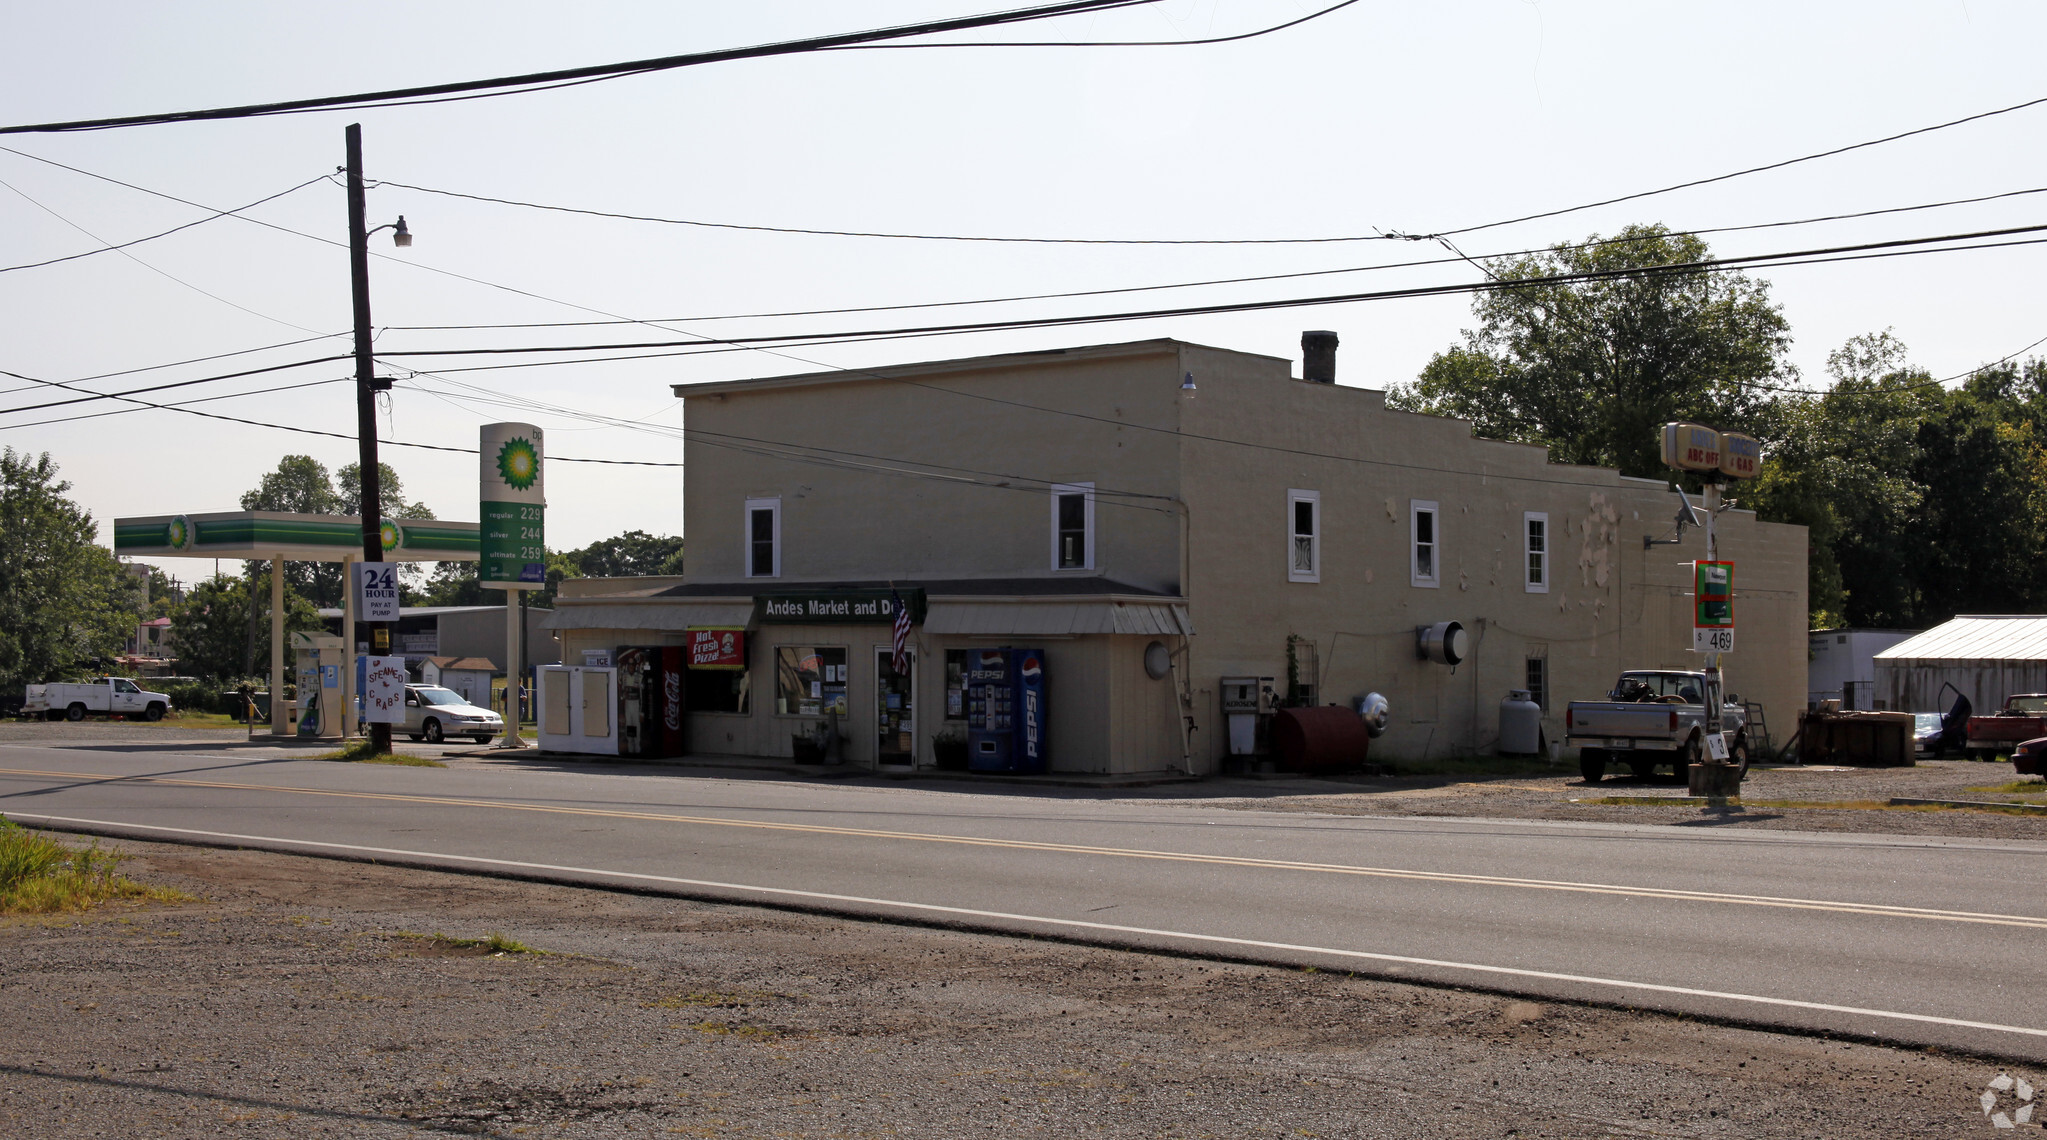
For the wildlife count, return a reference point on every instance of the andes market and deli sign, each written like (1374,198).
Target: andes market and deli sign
(836,607)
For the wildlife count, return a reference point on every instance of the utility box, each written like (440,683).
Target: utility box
(318,662)
(1244,701)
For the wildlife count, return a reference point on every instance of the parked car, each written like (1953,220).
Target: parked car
(1927,729)
(434,714)
(2023,717)
(2030,757)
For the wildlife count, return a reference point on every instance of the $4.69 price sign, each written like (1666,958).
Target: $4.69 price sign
(1712,640)
(376,591)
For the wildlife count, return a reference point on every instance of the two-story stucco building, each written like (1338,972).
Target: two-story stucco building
(1157,516)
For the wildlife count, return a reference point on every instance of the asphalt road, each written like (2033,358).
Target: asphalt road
(1925,941)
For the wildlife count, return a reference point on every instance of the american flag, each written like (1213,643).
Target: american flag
(901,661)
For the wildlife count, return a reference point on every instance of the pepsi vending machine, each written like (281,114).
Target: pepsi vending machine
(1006,710)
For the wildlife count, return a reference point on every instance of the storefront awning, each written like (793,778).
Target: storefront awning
(1060,617)
(673,617)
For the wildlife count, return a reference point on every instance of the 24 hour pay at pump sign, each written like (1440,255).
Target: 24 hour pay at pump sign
(512,508)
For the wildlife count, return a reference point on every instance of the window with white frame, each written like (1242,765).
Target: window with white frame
(1426,541)
(1073,526)
(1304,534)
(1535,543)
(764,538)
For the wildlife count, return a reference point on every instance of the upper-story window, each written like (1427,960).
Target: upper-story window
(1073,526)
(1304,532)
(764,538)
(1426,540)
(1535,536)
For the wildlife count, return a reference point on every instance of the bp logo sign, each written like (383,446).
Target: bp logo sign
(519,464)
(392,536)
(2007,1092)
(180,532)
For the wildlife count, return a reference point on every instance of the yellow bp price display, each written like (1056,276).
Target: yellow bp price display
(512,508)
(1713,607)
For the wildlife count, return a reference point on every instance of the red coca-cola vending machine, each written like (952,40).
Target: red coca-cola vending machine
(651,709)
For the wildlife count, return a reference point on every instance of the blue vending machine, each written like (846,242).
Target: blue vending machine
(1006,710)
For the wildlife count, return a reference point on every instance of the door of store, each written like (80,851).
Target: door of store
(894,715)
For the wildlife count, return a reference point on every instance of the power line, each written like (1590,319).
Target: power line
(506,85)
(1738,173)
(800,230)
(91,396)
(1896,247)
(1253,279)
(176,405)
(179,363)
(1230,39)
(216,216)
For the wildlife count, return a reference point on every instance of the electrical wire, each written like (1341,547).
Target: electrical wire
(216,216)
(1895,247)
(512,84)
(177,363)
(1737,173)
(178,404)
(1254,279)
(1240,36)
(91,396)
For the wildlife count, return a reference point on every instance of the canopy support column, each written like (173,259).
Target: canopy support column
(280,713)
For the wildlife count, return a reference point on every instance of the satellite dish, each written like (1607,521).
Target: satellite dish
(1687,515)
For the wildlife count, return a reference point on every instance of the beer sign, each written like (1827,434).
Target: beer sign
(1691,447)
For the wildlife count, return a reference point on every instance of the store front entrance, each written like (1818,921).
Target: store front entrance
(894,717)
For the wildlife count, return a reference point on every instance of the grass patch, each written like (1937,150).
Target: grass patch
(363,752)
(2015,788)
(1478,767)
(39,875)
(733,1029)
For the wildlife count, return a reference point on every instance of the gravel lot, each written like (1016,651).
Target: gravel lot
(297,998)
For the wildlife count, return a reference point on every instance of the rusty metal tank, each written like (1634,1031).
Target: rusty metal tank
(1326,739)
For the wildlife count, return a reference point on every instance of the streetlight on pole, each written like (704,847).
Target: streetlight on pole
(366,388)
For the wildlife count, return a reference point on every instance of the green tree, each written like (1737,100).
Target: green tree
(1592,368)
(210,629)
(302,485)
(66,605)
(628,555)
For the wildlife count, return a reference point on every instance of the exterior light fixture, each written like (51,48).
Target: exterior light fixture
(1186,385)
(400,236)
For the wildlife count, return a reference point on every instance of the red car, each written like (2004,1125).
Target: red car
(2030,757)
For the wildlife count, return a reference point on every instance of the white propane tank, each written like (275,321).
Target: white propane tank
(1520,724)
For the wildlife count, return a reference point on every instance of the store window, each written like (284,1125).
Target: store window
(810,681)
(1427,543)
(1538,681)
(1073,526)
(1304,522)
(956,685)
(718,690)
(1535,532)
(764,538)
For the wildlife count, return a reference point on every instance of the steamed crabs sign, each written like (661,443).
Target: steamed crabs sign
(513,501)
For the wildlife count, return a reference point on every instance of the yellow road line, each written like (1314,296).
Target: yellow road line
(1673,894)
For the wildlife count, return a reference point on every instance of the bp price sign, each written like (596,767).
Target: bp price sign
(1713,607)
(512,501)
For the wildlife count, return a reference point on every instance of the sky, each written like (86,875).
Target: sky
(1379,118)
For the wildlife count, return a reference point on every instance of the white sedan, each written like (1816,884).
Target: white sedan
(434,714)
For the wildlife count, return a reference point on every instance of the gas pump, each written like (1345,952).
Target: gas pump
(319,663)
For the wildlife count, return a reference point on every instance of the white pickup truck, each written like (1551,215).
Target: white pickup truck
(107,696)
(1653,716)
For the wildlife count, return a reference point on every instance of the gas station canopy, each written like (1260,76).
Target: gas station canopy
(292,537)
